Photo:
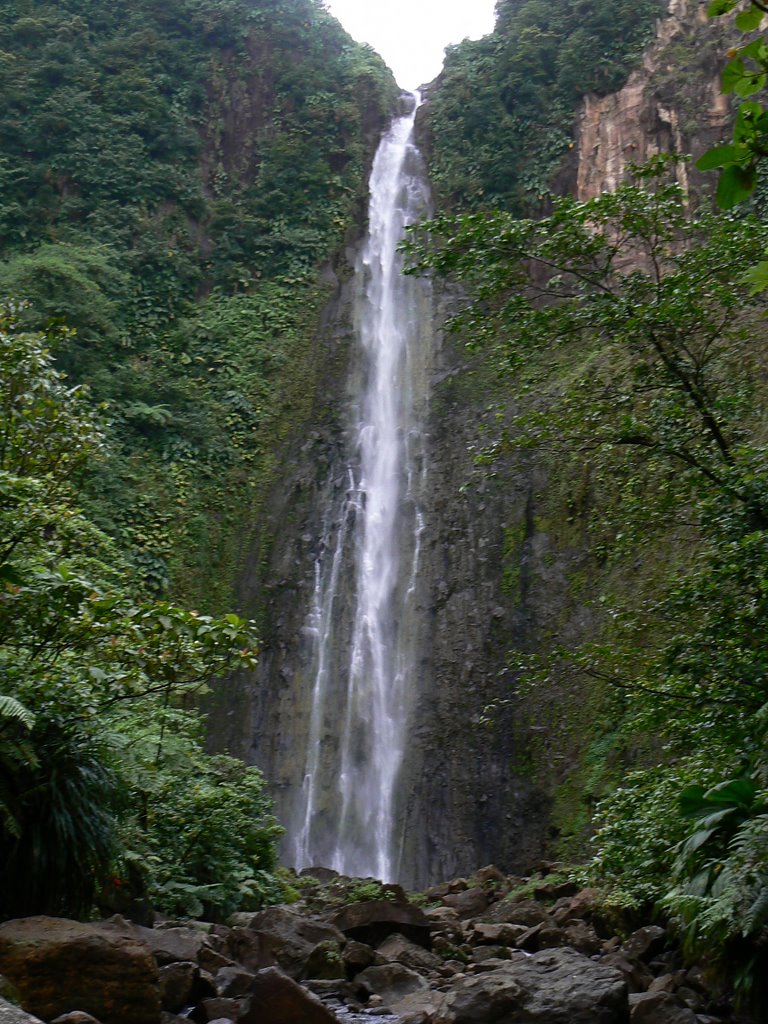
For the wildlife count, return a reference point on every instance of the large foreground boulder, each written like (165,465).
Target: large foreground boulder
(59,965)
(558,986)
(289,939)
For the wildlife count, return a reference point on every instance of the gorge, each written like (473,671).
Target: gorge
(456,568)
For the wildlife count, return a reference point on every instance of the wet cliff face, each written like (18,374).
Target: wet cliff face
(506,563)
(672,103)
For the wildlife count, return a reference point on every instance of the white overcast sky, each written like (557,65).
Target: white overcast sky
(411,34)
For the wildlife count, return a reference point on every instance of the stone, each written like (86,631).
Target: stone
(373,920)
(249,949)
(645,943)
(221,1006)
(357,956)
(75,1017)
(10,1014)
(233,981)
(659,1008)
(636,974)
(390,981)
(398,948)
(289,938)
(483,934)
(278,999)
(582,905)
(555,890)
(211,960)
(177,983)
(526,912)
(169,945)
(418,1007)
(552,987)
(325,961)
(582,937)
(59,965)
(468,903)
(445,921)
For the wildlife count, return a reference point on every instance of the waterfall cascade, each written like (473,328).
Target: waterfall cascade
(362,625)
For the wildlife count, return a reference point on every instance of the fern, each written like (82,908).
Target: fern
(13,711)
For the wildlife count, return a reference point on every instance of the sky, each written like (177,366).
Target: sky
(411,35)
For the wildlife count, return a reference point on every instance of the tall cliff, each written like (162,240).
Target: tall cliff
(509,562)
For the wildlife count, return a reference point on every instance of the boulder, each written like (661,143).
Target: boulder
(325,962)
(373,920)
(277,999)
(233,981)
(526,912)
(169,945)
(659,1008)
(177,985)
(75,1017)
(289,938)
(245,947)
(10,1014)
(645,943)
(220,1007)
(59,965)
(390,981)
(468,903)
(483,934)
(418,1007)
(357,956)
(553,987)
(398,948)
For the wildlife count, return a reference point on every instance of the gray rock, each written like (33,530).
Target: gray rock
(526,912)
(373,920)
(391,981)
(552,987)
(398,948)
(171,945)
(10,1014)
(659,1008)
(357,956)
(231,982)
(325,962)
(469,903)
(59,965)
(75,1017)
(290,938)
(645,943)
(278,999)
(177,983)
(483,934)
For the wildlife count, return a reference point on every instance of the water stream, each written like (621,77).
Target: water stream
(363,623)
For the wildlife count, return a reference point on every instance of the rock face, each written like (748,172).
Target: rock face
(554,987)
(10,1014)
(673,103)
(505,564)
(59,965)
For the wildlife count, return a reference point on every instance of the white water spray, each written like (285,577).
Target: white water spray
(363,670)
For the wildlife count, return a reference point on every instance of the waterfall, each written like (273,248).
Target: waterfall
(363,623)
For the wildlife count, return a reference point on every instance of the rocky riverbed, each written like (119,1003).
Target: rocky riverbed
(489,948)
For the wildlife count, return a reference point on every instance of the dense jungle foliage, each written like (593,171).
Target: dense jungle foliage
(501,116)
(172,176)
(626,336)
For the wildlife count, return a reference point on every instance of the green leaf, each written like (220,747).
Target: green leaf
(757,277)
(732,74)
(720,156)
(740,792)
(719,7)
(750,84)
(735,185)
(748,21)
(9,575)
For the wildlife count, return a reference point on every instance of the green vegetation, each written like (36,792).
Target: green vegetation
(501,118)
(102,772)
(623,326)
(172,176)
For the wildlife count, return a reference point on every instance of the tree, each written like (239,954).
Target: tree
(78,655)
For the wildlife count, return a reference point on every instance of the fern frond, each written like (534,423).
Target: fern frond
(14,711)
